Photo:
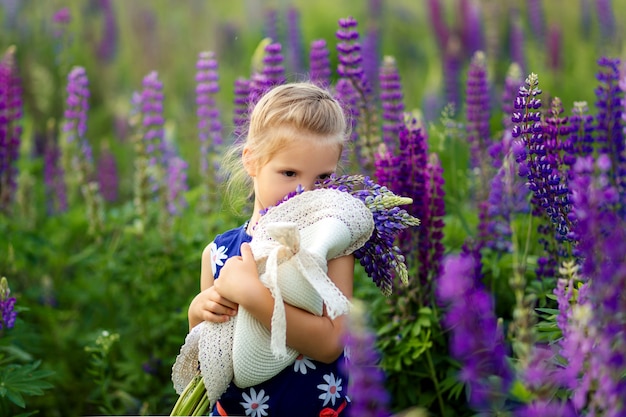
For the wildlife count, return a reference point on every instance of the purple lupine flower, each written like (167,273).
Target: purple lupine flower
(382,260)
(609,130)
(585,18)
(367,379)
(603,265)
(319,63)
(476,339)
(431,248)
(550,193)
(241,107)
(151,108)
(471,26)
(107,47)
(271,25)
(294,41)
(273,68)
(452,63)
(517,41)
(62,16)
(536,18)
(507,196)
(512,82)
(77,105)
(209,125)
(478,113)
(55,188)
(391,102)
(107,175)
(554,47)
(354,91)
(546,408)
(437,18)
(7,306)
(176,178)
(10,127)
(371,56)
(606,19)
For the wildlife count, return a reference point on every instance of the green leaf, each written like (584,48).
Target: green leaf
(19,380)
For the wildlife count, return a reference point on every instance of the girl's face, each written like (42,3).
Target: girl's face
(303,161)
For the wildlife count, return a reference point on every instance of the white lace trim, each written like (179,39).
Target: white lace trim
(292,244)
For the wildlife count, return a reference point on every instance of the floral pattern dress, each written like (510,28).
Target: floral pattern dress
(306,388)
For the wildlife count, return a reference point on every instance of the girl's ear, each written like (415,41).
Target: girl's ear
(249,163)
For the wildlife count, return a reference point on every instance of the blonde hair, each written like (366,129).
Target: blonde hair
(300,106)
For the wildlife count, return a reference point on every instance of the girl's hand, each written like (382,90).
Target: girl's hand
(239,278)
(209,305)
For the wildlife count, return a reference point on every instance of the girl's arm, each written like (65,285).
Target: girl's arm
(208,305)
(317,337)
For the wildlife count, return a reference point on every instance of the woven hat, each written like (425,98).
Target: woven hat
(292,244)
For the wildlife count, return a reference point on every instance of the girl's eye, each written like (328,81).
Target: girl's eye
(324,176)
(289,173)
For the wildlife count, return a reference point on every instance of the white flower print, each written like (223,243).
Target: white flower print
(217,256)
(255,404)
(331,389)
(302,364)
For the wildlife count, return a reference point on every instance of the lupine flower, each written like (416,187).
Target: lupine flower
(107,47)
(437,18)
(151,108)
(601,388)
(452,62)
(371,56)
(430,252)
(536,19)
(391,102)
(478,113)
(56,191)
(209,125)
(294,40)
(606,19)
(240,116)
(176,178)
(272,72)
(516,41)
(476,339)
(381,259)
(7,306)
(271,25)
(10,128)
(471,26)
(62,16)
(107,175)
(550,194)
(554,47)
(354,91)
(367,379)
(609,130)
(75,126)
(319,63)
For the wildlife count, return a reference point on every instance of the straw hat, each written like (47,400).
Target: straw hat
(292,244)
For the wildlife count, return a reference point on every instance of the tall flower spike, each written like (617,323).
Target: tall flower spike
(517,40)
(392,102)
(367,379)
(10,128)
(107,174)
(476,339)
(354,90)
(609,130)
(452,63)
(471,26)
(319,63)
(294,41)
(550,194)
(7,306)
(209,125)
(240,115)
(478,113)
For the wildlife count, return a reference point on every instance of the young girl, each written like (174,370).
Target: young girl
(296,137)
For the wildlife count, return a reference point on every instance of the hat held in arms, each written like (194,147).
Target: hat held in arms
(292,244)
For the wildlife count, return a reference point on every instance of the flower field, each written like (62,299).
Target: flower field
(504,122)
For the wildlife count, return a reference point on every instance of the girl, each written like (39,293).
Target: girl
(296,137)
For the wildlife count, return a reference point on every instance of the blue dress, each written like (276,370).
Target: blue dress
(306,388)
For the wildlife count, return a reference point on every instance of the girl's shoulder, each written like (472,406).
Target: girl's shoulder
(233,237)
